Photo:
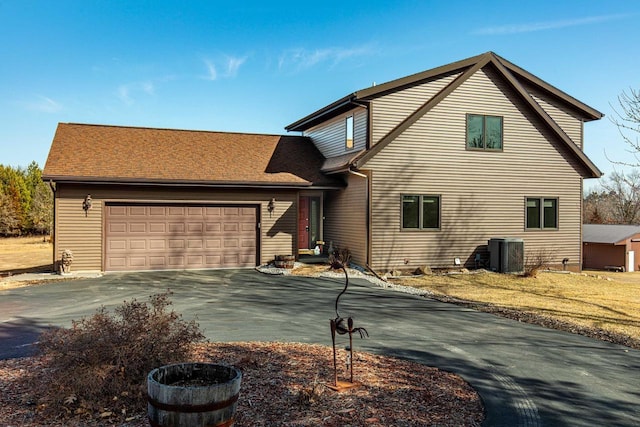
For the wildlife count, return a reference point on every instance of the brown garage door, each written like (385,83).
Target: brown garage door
(162,237)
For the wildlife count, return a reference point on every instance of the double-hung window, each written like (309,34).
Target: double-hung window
(420,212)
(541,213)
(484,132)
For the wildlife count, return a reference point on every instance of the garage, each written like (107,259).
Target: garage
(180,236)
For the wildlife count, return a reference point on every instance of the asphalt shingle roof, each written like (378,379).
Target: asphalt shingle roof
(608,233)
(100,153)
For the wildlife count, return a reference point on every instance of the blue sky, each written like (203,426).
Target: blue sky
(259,66)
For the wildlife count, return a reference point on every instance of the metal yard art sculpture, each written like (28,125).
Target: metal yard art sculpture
(343,326)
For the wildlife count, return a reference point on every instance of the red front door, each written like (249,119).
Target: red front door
(303,223)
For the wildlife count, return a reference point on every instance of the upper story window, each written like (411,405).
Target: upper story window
(420,212)
(484,132)
(349,133)
(541,213)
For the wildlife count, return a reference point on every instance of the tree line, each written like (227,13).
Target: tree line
(26,202)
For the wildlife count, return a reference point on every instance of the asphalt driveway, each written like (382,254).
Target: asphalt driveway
(526,375)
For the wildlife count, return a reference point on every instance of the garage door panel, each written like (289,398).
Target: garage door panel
(137,261)
(156,237)
(157,211)
(231,227)
(176,261)
(114,211)
(194,244)
(117,244)
(195,227)
(176,227)
(175,211)
(138,211)
(176,244)
(138,244)
(213,227)
(157,227)
(155,244)
(157,261)
(117,227)
(195,261)
(137,227)
(231,243)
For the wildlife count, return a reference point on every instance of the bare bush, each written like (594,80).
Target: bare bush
(101,362)
(538,260)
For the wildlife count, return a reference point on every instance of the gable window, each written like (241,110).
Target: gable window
(484,132)
(541,213)
(420,212)
(349,133)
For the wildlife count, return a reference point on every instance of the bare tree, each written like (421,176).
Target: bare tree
(618,201)
(628,122)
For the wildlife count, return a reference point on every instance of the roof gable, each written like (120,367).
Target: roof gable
(512,74)
(96,153)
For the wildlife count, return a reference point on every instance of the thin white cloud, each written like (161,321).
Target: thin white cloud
(126,91)
(43,104)
(229,64)
(234,64)
(300,58)
(212,74)
(543,26)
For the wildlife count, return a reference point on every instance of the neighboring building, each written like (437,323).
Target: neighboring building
(417,171)
(609,246)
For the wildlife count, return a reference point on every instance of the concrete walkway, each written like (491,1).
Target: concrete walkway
(526,375)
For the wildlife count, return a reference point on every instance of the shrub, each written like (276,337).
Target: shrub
(101,362)
(536,261)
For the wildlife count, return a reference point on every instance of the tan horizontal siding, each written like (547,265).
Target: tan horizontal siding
(482,193)
(392,109)
(84,235)
(345,219)
(330,136)
(569,122)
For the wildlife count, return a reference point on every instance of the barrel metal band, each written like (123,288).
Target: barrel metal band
(193,408)
(227,423)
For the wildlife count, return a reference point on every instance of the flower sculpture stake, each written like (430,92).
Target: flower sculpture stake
(342,327)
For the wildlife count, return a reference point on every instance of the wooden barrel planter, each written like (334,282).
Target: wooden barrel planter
(193,394)
(285,261)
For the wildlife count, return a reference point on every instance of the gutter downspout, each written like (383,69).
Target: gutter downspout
(53,227)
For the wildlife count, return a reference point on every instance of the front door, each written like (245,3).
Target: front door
(309,223)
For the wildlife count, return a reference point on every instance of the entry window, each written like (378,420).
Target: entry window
(420,212)
(349,133)
(542,213)
(484,132)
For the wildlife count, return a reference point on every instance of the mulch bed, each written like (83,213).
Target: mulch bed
(286,385)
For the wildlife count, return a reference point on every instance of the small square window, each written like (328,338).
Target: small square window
(541,213)
(420,212)
(484,132)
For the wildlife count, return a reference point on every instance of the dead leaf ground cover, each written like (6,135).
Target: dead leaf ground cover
(283,385)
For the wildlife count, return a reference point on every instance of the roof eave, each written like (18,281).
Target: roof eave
(344,103)
(589,113)
(182,183)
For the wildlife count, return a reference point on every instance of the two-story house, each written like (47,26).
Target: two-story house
(419,171)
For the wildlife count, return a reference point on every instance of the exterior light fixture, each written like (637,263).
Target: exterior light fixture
(86,204)
(271,206)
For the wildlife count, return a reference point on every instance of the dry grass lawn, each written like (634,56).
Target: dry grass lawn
(610,303)
(25,254)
